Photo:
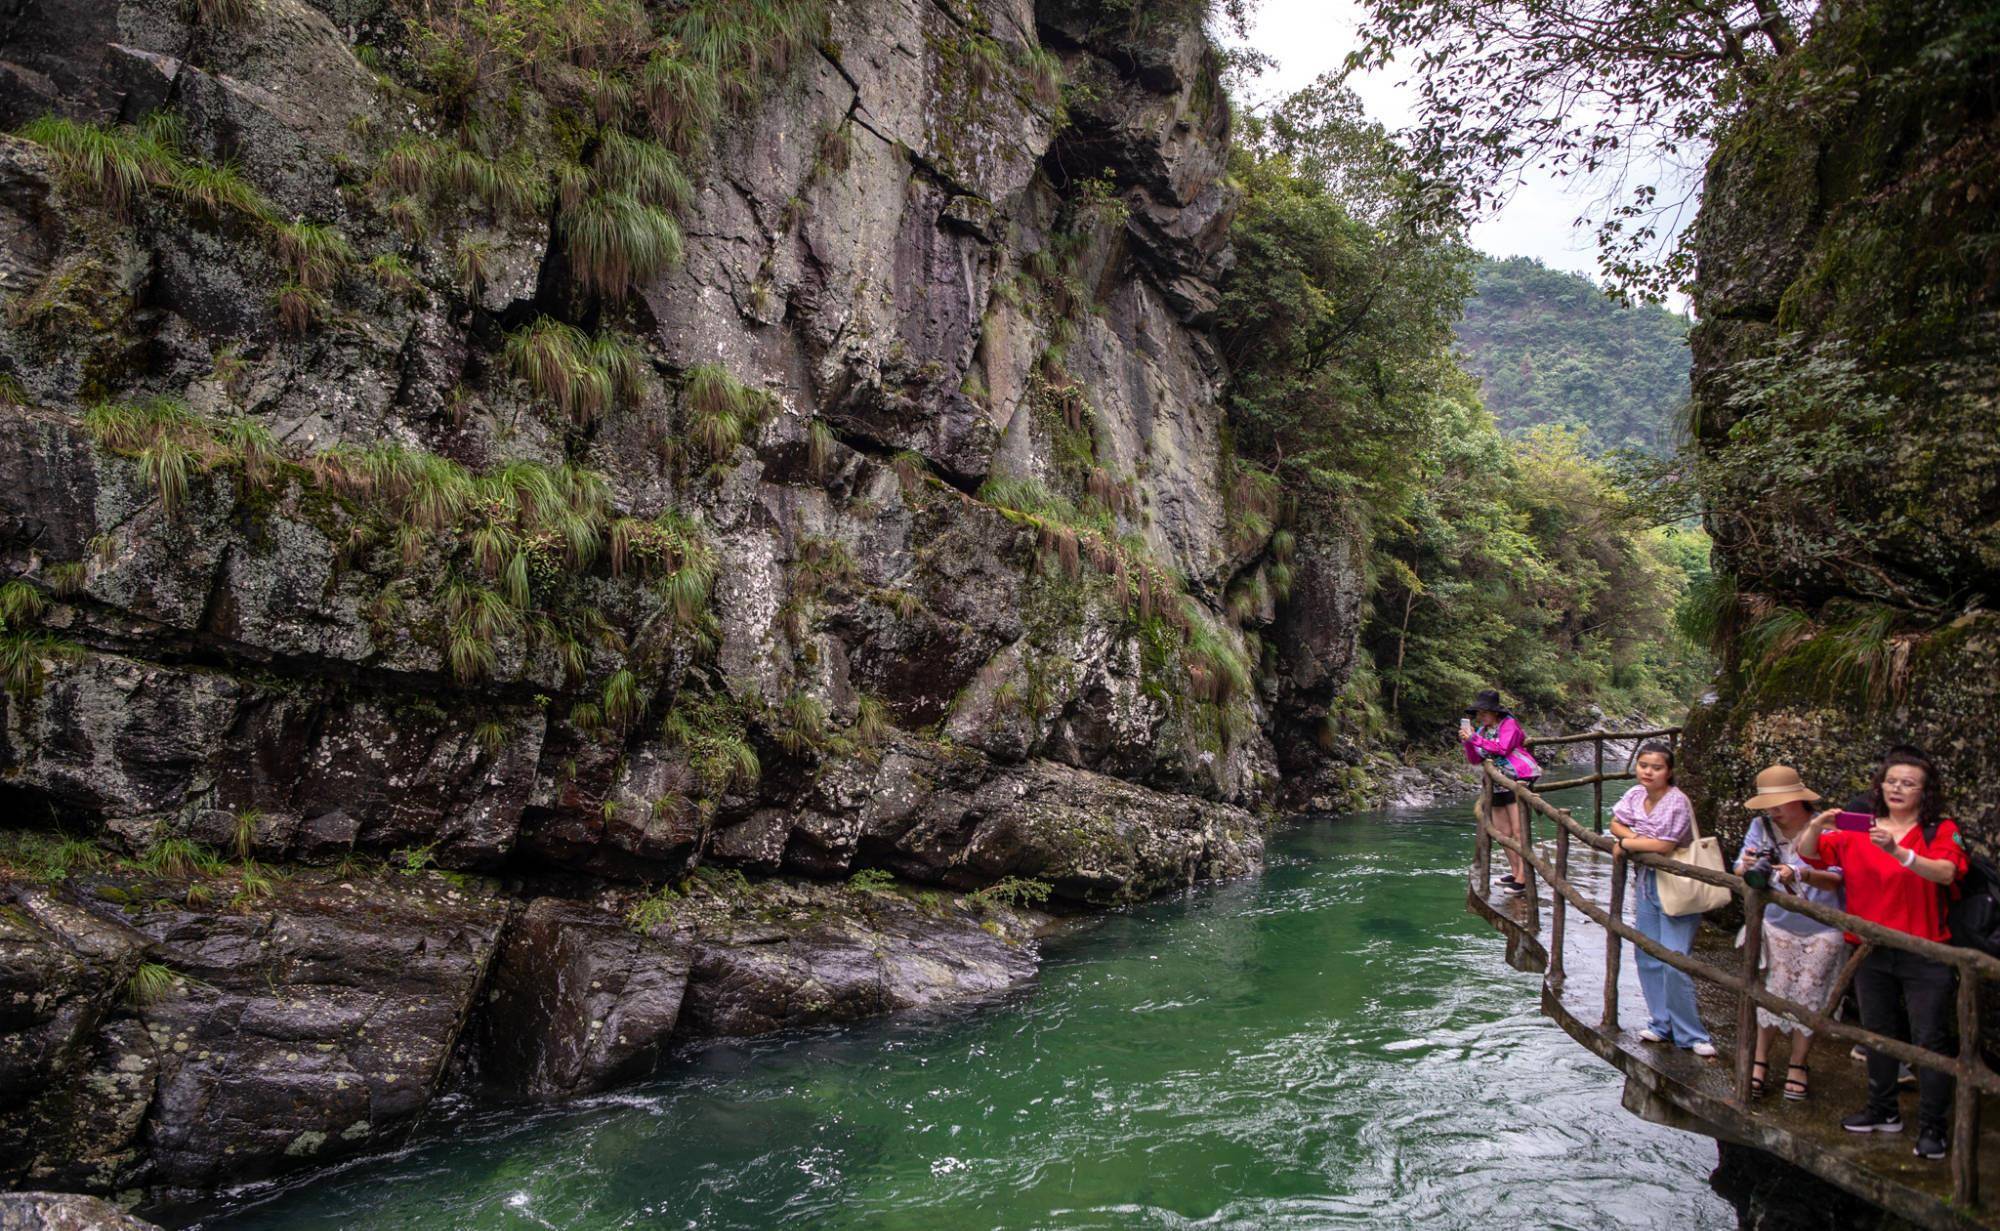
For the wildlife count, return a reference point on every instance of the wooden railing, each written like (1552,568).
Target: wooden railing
(1969,1071)
(1596,780)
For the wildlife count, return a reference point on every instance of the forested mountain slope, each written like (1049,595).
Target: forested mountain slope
(1549,347)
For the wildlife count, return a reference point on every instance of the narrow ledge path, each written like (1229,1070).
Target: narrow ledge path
(1670,1086)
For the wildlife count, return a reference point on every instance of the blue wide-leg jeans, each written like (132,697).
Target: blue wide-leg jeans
(1669,992)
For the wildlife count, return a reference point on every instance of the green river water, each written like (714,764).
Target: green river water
(1335,1043)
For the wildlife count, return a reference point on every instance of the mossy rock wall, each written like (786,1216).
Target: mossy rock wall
(1849,344)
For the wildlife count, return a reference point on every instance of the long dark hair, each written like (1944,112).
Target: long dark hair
(1930,805)
(1664,749)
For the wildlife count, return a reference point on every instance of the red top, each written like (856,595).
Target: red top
(1883,891)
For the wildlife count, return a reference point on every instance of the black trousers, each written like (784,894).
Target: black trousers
(1889,982)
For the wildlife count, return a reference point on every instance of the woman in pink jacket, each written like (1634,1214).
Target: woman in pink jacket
(1489,733)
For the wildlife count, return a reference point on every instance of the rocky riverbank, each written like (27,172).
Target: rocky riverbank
(171,1034)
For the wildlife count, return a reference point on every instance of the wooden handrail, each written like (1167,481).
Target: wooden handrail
(1587,780)
(1909,1053)
(1967,1067)
(1983,964)
(1600,736)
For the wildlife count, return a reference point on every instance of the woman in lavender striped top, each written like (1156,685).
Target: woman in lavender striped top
(1656,817)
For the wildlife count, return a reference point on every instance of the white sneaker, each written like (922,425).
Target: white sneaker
(1650,1035)
(1703,1049)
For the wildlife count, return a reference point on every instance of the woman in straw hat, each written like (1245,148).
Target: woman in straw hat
(1802,955)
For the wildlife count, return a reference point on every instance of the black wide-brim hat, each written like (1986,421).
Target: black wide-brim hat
(1488,700)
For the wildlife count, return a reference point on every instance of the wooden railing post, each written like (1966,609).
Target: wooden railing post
(1965,1096)
(1746,1008)
(1612,945)
(1560,906)
(1524,833)
(1597,787)
(1482,842)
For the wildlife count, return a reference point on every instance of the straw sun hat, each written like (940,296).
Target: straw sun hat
(1779,784)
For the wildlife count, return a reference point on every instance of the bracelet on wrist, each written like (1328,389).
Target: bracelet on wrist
(1906,856)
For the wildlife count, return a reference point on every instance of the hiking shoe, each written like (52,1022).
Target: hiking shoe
(1931,1143)
(1704,1049)
(1873,1122)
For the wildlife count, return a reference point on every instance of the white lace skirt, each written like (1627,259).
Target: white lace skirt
(1801,969)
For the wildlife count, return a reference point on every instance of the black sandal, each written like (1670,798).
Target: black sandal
(1758,1068)
(1796,1089)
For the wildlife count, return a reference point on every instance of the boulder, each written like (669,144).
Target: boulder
(578,1002)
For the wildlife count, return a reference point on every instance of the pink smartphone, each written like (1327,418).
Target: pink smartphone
(1853,822)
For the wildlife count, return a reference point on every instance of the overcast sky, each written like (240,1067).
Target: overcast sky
(1311,37)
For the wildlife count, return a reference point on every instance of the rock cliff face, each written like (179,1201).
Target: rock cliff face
(473,474)
(1850,326)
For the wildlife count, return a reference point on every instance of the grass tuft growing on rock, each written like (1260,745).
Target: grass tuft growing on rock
(316,254)
(615,239)
(117,164)
(711,732)
(226,14)
(218,191)
(21,604)
(583,376)
(721,410)
(24,659)
(180,858)
(149,984)
(1016,891)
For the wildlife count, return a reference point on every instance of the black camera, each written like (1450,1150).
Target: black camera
(1758,874)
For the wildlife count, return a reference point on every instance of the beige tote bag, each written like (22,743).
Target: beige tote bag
(1680,895)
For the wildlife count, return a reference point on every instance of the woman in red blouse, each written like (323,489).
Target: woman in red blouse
(1892,873)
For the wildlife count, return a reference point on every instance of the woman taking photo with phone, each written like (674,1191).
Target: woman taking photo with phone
(1489,732)
(1892,865)
(1656,818)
